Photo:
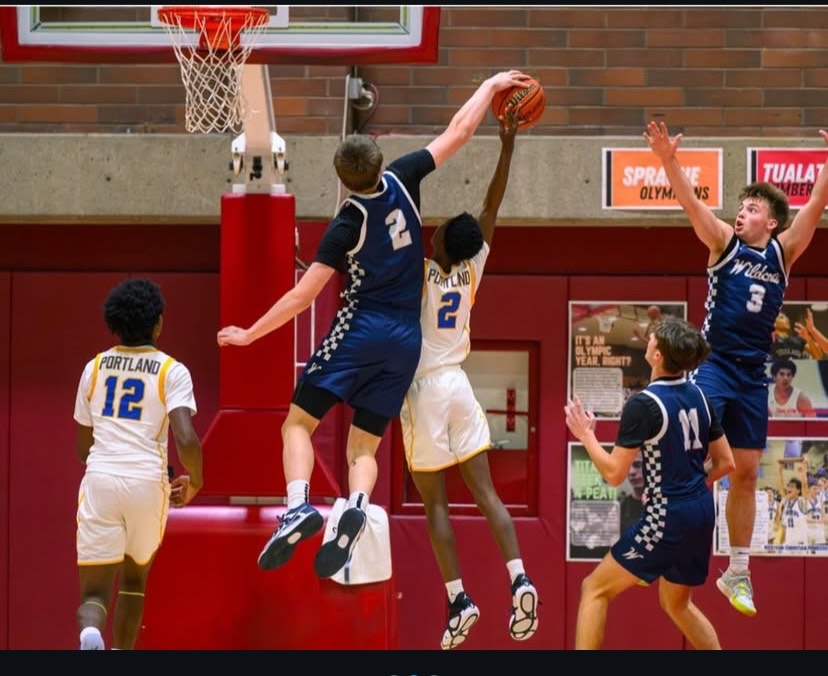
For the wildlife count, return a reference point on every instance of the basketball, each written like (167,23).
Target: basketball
(530,102)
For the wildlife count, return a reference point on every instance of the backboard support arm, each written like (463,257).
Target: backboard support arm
(259,154)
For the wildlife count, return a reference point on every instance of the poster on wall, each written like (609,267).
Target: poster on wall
(792,170)
(598,513)
(634,178)
(791,501)
(607,342)
(798,368)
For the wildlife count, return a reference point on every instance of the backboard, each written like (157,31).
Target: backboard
(346,35)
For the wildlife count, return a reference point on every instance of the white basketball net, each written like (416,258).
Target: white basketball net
(212,73)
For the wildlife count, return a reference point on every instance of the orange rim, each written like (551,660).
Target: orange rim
(209,20)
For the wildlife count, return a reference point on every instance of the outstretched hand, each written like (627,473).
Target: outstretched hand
(233,335)
(579,421)
(659,140)
(824,135)
(509,78)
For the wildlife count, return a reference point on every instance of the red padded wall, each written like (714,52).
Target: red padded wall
(55,325)
(56,328)
(257,267)
(232,605)
(189,335)
(5,398)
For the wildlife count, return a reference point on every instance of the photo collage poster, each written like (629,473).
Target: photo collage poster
(607,342)
(791,501)
(598,513)
(798,368)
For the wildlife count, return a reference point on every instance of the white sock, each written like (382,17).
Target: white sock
(86,631)
(297,493)
(515,568)
(91,639)
(358,499)
(739,557)
(454,589)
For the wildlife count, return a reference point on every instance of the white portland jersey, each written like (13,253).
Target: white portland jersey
(787,410)
(447,302)
(124,395)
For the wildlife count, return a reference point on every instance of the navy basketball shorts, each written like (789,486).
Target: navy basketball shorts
(673,539)
(368,359)
(739,394)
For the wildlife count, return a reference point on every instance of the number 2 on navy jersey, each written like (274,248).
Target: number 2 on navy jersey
(447,314)
(132,394)
(398,229)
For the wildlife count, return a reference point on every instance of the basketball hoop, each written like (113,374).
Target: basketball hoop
(212,70)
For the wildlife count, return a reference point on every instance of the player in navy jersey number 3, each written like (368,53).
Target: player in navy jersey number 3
(683,446)
(748,268)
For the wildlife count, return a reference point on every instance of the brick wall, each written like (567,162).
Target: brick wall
(734,71)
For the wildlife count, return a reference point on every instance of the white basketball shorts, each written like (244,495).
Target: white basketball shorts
(120,515)
(442,421)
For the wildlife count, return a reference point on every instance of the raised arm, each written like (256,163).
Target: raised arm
(613,467)
(283,310)
(713,232)
(466,120)
(780,476)
(497,186)
(816,342)
(796,239)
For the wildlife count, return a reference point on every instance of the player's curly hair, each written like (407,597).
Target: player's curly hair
(777,200)
(132,310)
(681,344)
(463,237)
(784,363)
(358,162)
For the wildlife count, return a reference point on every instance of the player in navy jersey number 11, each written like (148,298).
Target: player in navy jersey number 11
(684,449)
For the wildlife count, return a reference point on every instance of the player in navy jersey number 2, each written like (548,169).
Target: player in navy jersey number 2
(748,268)
(684,448)
(369,355)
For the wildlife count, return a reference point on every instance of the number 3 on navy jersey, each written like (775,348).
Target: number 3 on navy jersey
(757,297)
(132,394)
(398,229)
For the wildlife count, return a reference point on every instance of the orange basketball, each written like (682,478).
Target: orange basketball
(530,102)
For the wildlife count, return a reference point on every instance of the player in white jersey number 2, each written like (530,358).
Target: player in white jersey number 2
(127,398)
(442,421)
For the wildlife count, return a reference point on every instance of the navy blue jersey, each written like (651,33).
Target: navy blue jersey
(370,353)
(672,422)
(376,239)
(746,288)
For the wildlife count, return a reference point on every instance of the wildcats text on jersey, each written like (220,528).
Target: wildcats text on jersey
(133,364)
(755,271)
